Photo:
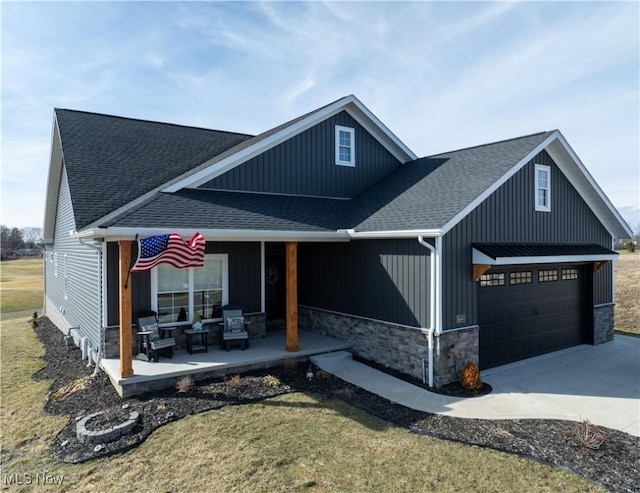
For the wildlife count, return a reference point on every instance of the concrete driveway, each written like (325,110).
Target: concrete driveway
(598,383)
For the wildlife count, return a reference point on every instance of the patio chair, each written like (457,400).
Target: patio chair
(234,328)
(152,342)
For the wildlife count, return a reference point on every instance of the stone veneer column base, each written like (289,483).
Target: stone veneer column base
(399,347)
(603,323)
(453,349)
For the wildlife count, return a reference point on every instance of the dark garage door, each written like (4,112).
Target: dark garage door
(525,311)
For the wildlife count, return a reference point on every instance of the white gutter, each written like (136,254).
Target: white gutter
(401,233)
(433,299)
(214,234)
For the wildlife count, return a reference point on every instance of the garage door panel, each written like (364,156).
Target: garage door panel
(523,320)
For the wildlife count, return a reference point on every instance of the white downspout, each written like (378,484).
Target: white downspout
(432,306)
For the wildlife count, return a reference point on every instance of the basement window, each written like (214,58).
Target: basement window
(543,188)
(345,146)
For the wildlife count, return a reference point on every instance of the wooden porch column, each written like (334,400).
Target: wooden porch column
(291,249)
(126,359)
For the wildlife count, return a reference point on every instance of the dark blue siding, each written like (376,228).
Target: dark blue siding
(244,278)
(380,279)
(305,165)
(509,215)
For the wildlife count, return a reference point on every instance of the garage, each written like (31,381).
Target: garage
(527,310)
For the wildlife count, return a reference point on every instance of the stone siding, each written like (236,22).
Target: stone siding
(447,361)
(603,323)
(404,349)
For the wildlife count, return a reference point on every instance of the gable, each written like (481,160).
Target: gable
(225,162)
(305,165)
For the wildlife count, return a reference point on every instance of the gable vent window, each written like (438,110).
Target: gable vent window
(345,146)
(543,188)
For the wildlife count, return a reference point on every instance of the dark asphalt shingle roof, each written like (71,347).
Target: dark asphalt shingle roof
(111,161)
(207,209)
(429,192)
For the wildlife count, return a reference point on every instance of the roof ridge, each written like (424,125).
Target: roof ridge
(151,121)
(491,143)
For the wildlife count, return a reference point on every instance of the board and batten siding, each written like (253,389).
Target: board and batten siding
(509,215)
(306,165)
(385,280)
(244,278)
(81,307)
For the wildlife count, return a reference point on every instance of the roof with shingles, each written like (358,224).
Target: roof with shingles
(110,161)
(429,192)
(423,194)
(207,209)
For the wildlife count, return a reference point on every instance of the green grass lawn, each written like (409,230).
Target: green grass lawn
(627,278)
(21,285)
(295,442)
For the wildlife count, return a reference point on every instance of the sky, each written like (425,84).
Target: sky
(440,75)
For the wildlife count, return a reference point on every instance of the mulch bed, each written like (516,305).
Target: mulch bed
(615,466)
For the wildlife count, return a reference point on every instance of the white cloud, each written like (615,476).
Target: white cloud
(441,75)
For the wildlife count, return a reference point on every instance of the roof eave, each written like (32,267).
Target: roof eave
(571,165)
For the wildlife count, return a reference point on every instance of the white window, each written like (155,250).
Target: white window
(180,293)
(55,264)
(345,146)
(543,188)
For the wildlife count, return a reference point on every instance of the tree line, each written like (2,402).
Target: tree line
(18,239)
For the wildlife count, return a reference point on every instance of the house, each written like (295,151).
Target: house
(501,251)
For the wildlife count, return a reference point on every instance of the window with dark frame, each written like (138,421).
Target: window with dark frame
(548,275)
(493,279)
(522,277)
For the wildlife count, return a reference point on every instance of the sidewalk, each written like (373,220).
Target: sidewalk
(598,383)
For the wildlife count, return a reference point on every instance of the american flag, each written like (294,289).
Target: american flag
(169,249)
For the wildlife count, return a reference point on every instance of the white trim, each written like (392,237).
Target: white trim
(602,305)
(104,257)
(191,287)
(439,297)
(613,275)
(497,184)
(263,277)
(481,258)
(546,207)
(65,276)
(458,329)
(352,146)
(407,233)
(122,233)
(559,152)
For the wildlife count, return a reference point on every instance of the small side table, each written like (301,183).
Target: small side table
(166,331)
(203,342)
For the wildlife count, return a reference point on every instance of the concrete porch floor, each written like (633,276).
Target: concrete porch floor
(262,353)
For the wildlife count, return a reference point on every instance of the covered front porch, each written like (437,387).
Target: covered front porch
(263,353)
